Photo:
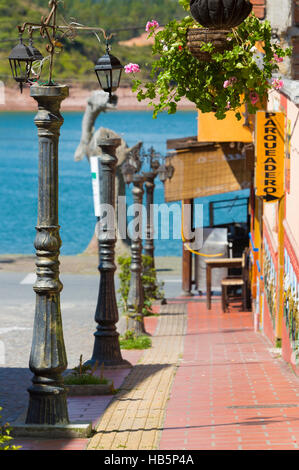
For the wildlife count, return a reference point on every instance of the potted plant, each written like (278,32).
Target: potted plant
(83,381)
(240,74)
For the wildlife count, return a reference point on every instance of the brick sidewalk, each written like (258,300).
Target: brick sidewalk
(209,383)
(230,392)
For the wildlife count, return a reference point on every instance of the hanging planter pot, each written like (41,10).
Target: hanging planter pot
(217,17)
(220,14)
(196,37)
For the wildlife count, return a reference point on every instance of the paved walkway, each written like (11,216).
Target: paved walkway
(209,382)
(134,419)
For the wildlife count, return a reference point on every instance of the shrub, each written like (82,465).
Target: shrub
(5,437)
(152,289)
(131,341)
(84,375)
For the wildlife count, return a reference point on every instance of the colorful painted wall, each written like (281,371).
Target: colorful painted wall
(279,312)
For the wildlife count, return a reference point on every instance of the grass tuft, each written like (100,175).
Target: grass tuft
(139,342)
(84,379)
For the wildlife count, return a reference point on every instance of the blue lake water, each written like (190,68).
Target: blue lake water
(19,177)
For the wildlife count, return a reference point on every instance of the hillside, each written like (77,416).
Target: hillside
(125,17)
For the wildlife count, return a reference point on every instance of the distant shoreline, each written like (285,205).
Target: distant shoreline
(127,101)
(81,263)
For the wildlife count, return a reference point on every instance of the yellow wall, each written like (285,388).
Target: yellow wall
(229,129)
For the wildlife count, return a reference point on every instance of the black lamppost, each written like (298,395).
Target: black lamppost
(130,169)
(106,345)
(47,396)
(136,292)
(150,177)
(157,166)
(135,303)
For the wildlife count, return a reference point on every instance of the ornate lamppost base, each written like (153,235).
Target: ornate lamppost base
(160,301)
(107,348)
(184,293)
(47,405)
(135,322)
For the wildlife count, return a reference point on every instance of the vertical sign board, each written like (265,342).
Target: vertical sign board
(270,150)
(288,156)
(95,178)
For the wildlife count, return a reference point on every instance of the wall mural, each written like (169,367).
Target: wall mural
(291,301)
(270,281)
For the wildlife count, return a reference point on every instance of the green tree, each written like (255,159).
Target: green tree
(126,17)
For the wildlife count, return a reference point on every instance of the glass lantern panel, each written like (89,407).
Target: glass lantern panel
(163,173)
(116,74)
(104,77)
(21,69)
(170,171)
(24,69)
(13,68)
(128,178)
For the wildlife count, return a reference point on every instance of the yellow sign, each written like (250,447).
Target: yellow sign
(270,148)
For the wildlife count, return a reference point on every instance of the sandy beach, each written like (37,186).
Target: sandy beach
(77,100)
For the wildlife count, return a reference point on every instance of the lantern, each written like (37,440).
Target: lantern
(128,172)
(170,171)
(108,70)
(37,55)
(163,173)
(20,60)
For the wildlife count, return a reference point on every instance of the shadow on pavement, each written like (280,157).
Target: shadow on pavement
(13,392)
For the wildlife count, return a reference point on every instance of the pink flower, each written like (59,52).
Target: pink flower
(228,106)
(254,97)
(277,84)
(132,68)
(277,58)
(151,25)
(229,82)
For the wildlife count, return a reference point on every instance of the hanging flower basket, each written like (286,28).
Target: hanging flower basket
(197,37)
(217,18)
(219,67)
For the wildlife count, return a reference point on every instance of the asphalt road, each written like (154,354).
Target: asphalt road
(17,305)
